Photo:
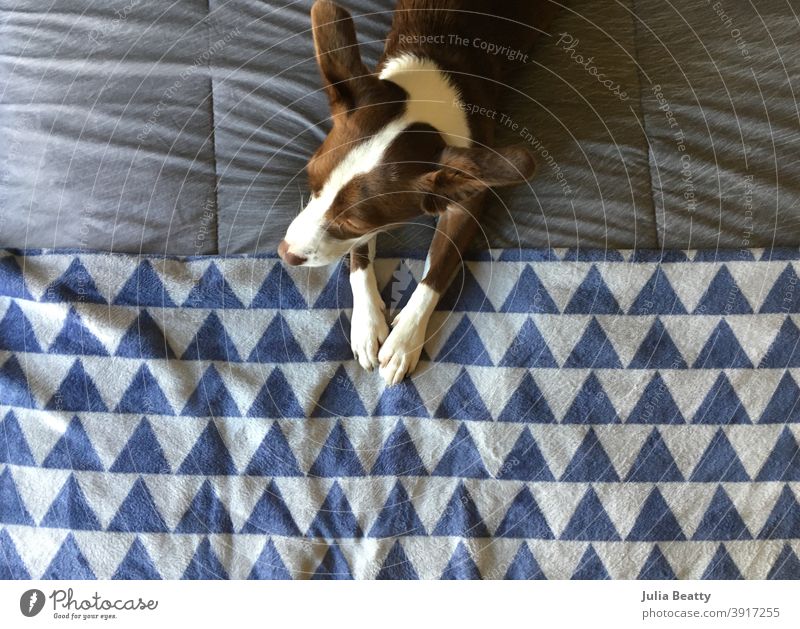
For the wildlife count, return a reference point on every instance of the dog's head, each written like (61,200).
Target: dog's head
(377,169)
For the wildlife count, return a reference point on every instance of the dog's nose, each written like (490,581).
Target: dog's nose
(287,256)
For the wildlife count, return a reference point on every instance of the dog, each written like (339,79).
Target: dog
(411,139)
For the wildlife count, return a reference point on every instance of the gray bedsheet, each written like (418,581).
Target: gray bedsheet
(183,127)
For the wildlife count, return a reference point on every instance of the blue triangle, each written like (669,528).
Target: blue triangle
(13,445)
(783,463)
(784,405)
(144,339)
(70,510)
(524,567)
(656,567)
(399,288)
(525,461)
(205,564)
(14,389)
(590,522)
(212,291)
(338,457)
(69,563)
(337,294)
(721,405)
(75,338)
(657,297)
(656,522)
(461,566)
(723,296)
(590,463)
(721,520)
(397,517)
(137,564)
(210,398)
(11,564)
(335,519)
(206,514)
(277,345)
(399,456)
(333,566)
(465,295)
(138,513)
(271,516)
(464,346)
(529,349)
(527,405)
(658,351)
(591,405)
(401,400)
(144,288)
(340,398)
(74,451)
(721,567)
(784,295)
(144,395)
(12,508)
(656,405)
(654,464)
(278,291)
(590,567)
(461,458)
(209,455)
(719,463)
(722,351)
(524,519)
(269,566)
(786,566)
(276,399)
(12,282)
(461,517)
(783,352)
(397,566)
(77,393)
(336,346)
(463,401)
(273,457)
(784,519)
(593,296)
(74,285)
(212,343)
(529,295)
(16,332)
(594,350)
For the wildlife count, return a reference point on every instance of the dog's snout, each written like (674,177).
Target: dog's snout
(289,257)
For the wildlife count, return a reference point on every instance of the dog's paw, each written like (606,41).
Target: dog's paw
(400,353)
(368,330)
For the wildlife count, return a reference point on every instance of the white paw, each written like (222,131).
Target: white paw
(368,330)
(400,353)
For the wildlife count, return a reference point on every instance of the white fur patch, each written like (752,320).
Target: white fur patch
(368,322)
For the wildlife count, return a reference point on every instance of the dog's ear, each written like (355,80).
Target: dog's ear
(337,54)
(463,173)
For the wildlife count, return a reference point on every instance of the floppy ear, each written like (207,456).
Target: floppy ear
(467,172)
(337,54)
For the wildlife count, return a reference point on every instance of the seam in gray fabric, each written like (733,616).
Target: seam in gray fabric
(213,134)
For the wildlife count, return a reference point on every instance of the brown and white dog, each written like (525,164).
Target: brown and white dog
(402,145)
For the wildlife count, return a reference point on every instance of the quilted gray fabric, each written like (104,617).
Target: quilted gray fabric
(136,125)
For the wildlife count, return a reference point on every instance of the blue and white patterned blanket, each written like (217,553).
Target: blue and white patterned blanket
(602,415)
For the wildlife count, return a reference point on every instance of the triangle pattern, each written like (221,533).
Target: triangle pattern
(337,458)
(206,514)
(13,445)
(12,281)
(461,566)
(784,405)
(783,352)
(70,510)
(144,339)
(529,295)
(525,461)
(271,516)
(77,393)
(656,522)
(273,457)
(590,567)
(656,405)
(593,296)
(527,404)
(144,394)
(397,566)
(269,565)
(786,566)
(12,508)
(337,294)
(721,520)
(340,398)
(137,564)
(399,456)
(658,350)
(721,405)
(461,517)
(74,451)
(655,463)
(780,298)
(656,567)
(277,345)
(529,349)
(591,405)
(399,288)
(723,296)
(210,398)
(335,518)
(212,343)
(784,519)
(401,400)
(783,463)
(463,401)
(138,512)
(721,567)
(144,288)
(397,517)
(11,564)
(209,455)
(205,565)
(593,350)
(590,522)
(276,399)
(524,519)
(333,566)
(524,567)
(722,351)
(76,339)
(16,332)
(336,346)
(657,297)
(14,389)
(212,291)
(464,346)
(278,291)
(74,285)
(465,295)
(69,563)
(461,458)
(719,463)
(590,463)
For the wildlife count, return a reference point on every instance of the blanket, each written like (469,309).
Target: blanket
(576,414)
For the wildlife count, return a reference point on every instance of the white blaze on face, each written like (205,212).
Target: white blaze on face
(432,100)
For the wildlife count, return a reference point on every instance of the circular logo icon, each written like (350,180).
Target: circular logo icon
(31,602)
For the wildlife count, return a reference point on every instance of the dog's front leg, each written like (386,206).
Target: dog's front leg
(368,325)
(400,353)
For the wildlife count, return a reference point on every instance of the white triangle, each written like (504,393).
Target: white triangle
(687,445)
(46,320)
(367,499)
(558,502)
(622,565)
(110,272)
(493,499)
(689,388)
(430,497)
(690,281)
(558,444)
(431,439)
(623,388)
(37,547)
(173,495)
(41,271)
(108,325)
(428,558)
(245,328)
(111,383)
(622,503)
(176,439)
(561,333)
(625,334)
(244,275)
(755,559)
(689,559)
(301,557)
(690,333)
(103,495)
(754,280)
(304,497)
(505,280)
(180,325)
(171,554)
(42,430)
(754,444)
(756,333)
(243,438)
(558,560)
(239,494)
(754,502)
(755,388)
(241,553)
(625,281)
(561,280)
(688,503)
(622,446)
(38,488)
(103,552)
(494,441)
